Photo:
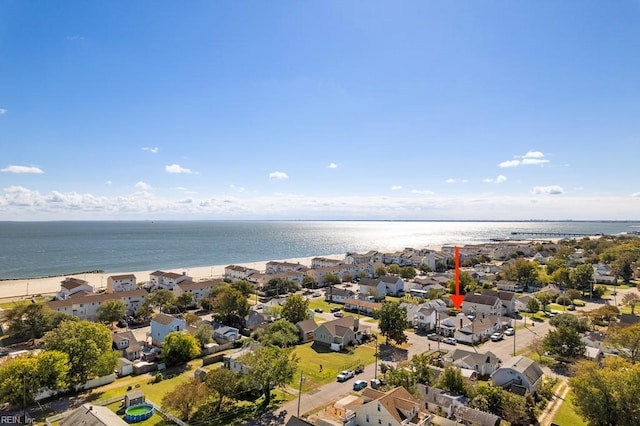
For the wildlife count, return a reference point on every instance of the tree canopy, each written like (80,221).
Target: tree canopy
(280,333)
(179,347)
(186,397)
(269,367)
(230,306)
(295,308)
(564,342)
(393,322)
(111,311)
(88,346)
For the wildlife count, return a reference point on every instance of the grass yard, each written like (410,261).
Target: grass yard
(311,357)
(566,414)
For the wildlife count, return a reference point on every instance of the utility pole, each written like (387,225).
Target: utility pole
(375,372)
(300,391)
(514,341)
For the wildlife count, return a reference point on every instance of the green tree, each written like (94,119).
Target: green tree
(579,324)
(544,298)
(29,320)
(204,335)
(393,322)
(206,303)
(623,268)
(309,282)
(401,377)
(162,298)
(514,410)
(573,294)
(179,347)
(88,346)
(408,272)
(393,269)
(522,271)
(223,383)
(230,307)
(452,380)
(185,301)
(631,300)
(23,377)
(556,264)
(420,366)
(381,271)
(191,318)
(466,282)
(186,398)
(488,398)
(582,276)
(270,367)
(627,340)
(245,287)
(280,333)
(564,342)
(331,279)
(562,276)
(111,311)
(295,308)
(533,305)
(145,312)
(607,394)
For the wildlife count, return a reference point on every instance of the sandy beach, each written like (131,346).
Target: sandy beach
(24,288)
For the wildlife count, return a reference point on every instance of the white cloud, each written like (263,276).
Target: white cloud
(75,37)
(236,188)
(636,194)
(499,179)
(396,187)
(22,169)
(153,150)
(422,192)
(529,159)
(3,111)
(452,180)
(548,190)
(176,168)
(509,163)
(333,166)
(143,186)
(278,175)
(108,183)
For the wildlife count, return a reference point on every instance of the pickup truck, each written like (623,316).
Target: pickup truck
(345,375)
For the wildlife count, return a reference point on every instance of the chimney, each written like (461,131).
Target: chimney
(460,322)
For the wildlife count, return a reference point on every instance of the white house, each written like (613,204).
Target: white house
(226,333)
(518,372)
(163,324)
(127,344)
(121,283)
(478,304)
(71,285)
(425,318)
(507,298)
(237,272)
(372,287)
(275,267)
(199,289)
(85,305)
(371,256)
(396,407)
(338,295)
(482,363)
(166,280)
(323,262)
(395,285)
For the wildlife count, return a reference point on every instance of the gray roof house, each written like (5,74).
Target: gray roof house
(518,373)
(483,363)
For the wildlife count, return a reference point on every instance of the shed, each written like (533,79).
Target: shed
(125,367)
(133,398)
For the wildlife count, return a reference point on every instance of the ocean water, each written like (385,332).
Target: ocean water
(36,249)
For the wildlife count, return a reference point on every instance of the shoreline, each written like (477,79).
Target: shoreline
(14,289)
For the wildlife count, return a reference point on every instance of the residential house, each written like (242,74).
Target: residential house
(449,325)
(507,298)
(507,285)
(472,417)
(275,267)
(477,304)
(70,286)
(127,344)
(306,328)
(233,361)
(340,333)
(166,280)
(225,333)
(342,271)
(372,288)
(237,272)
(482,363)
(121,283)
(395,285)
(364,307)
(198,289)
(85,305)
(358,258)
(163,324)
(338,295)
(396,407)
(517,374)
(93,415)
(438,401)
(602,274)
(255,320)
(480,328)
(423,318)
(323,262)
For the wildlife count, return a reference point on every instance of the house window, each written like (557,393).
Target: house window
(379,421)
(378,407)
(367,418)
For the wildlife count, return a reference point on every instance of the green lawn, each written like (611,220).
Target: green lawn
(311,357)
(566,415)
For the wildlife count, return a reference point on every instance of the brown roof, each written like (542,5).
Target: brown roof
(393,400)
(339,326)
(70,283)
(122,277)
(95,297)
(197,285)
(307,326)
(363,303)
(164,319)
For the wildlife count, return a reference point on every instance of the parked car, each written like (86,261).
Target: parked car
(449,341)
(496,337)
(359,384)
(571,307)
(376,383)
(345,375)
(335,309)
(359,369)
(433,336)
(318,310)
(338,314)
(509,331)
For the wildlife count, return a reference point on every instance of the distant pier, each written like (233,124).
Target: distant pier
(556,234)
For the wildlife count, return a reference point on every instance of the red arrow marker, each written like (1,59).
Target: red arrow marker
(457,298)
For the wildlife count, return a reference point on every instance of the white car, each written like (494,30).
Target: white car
(496,337)
(449,340)
(509,331)
(345,375)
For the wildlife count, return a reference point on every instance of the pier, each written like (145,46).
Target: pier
(556,234)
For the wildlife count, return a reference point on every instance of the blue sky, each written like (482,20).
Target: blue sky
(319,110)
